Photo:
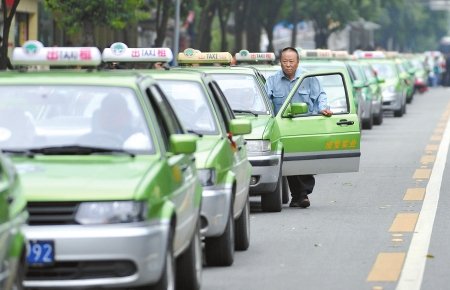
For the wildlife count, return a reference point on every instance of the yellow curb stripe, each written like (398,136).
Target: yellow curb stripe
(441,125)
(387,267)
(439,130)
(436,138)
(414,194)
(426,159)
(422,174)
(432,147)
(404,222)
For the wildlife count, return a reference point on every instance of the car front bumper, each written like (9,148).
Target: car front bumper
(265,173)
(393,103)
(216,205)
(110,256)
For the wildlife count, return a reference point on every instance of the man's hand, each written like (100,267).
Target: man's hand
(326,112)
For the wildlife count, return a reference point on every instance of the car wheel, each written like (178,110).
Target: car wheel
(285,190)
(219,251)
(242,229)
(272,202)
(378,118)
(399,112)
(189,265)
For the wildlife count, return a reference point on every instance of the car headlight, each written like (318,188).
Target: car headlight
(258,145)
(110,212)
(207,177)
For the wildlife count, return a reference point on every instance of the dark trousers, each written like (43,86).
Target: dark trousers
(301,185)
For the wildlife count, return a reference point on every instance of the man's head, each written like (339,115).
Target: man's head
(289,60)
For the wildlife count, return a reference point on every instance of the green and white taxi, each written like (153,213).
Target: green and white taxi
(108,174)
(12,217)
(291,142)
(221,157)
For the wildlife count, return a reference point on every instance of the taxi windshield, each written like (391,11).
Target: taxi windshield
(385,70)
(242,93)
(191,105)
(37,117)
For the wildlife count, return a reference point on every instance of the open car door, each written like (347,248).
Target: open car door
(313,143)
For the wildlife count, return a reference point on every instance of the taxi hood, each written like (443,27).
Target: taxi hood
(80,178)
(259,126)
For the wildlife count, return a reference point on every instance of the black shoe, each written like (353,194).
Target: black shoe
(302,202)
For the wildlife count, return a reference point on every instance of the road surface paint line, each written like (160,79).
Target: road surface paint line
(412,273)
(432,147)
(397,235)
(387,267)
(377,288)
(422,174)
(404,222)
(417,193)
(426,159)
(436,138)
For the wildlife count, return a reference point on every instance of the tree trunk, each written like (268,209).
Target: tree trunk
(161,28)
(239,23)
(204,29)
(88,34)
(253,28)
(223,18)
(294,23)
(8,17)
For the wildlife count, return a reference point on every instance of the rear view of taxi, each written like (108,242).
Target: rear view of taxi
(393,86)
(107,171)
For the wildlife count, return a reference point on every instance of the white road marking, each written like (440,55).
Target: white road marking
(414,267)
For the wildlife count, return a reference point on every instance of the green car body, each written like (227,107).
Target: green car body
(124,207)
(276,148)
(393,87)
(407,73)
(221,160)
(12,217)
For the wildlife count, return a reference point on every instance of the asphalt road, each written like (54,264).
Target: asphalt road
(360,226)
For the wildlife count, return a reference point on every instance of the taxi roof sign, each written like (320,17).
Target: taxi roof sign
(120,52)
(315,53)
(193,56)
(369,54)
(34,53)
(245,55)
(340,54)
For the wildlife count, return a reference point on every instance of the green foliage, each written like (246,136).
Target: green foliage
(73,14)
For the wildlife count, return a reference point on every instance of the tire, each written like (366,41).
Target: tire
(189,264)
(404,109)
(285,190)
(398,113)
(219,251)
(378,119)
(272,202)
(242,229)
(368,123)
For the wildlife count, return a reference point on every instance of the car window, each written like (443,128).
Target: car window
(191,104)
(242,92)
(368,71)
(54,116)
(385,70)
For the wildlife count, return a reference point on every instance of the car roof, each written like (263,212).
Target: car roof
(221,69)
(64,77)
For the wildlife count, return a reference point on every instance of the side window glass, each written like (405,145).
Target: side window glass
(225,109)
(323,91)
(167,112)
(217,107)
(163,127)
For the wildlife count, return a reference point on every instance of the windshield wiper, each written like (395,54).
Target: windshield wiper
(77,150)
(25,152)
(195,132)
(246,112)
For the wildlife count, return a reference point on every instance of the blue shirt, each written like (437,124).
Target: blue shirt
(310,91)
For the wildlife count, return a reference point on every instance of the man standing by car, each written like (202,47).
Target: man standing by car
(278,87)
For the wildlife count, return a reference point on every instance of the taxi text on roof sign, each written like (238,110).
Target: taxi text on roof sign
(192,56)
(34,53)
(369,54)
(245,55)
(340,54)
(314,53)
(120,52)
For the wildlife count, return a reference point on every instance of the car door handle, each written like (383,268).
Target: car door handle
(344,122)
(10,199)
(240,147)
(184,167)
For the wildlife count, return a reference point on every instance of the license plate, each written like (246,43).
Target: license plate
(40,253)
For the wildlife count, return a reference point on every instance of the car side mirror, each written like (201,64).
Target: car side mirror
(240,127)
(183,143)
(380,80)
(295,109)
